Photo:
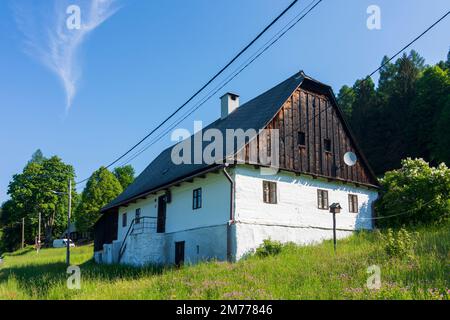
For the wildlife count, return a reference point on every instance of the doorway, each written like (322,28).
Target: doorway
(161,222)
(179,253)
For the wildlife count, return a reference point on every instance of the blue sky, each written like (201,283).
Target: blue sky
(142,59)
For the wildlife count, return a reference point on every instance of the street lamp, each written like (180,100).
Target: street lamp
(69,193)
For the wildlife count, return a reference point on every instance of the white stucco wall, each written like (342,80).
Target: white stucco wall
(203,229)
(296,216)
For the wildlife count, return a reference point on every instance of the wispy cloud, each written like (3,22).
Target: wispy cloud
(48,39)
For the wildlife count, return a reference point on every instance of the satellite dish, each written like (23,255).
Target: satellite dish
(350,159)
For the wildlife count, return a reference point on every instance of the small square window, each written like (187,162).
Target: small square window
(353,203)
(197,199)
(327,145)
(124,219)
(270,192)
(137,216)
(301,138)
(322,199)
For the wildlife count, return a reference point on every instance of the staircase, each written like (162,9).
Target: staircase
(139,225)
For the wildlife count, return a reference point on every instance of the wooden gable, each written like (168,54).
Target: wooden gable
(311,114)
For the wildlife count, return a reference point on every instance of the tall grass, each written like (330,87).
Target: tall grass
(310,272)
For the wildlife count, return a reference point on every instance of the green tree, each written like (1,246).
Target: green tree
(37,157)
(125,175)
(428,121)
(414,194)
(33,191)
(101,188)
(346,99)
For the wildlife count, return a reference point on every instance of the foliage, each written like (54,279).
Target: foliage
(309,272)
(125,175)
(101,188)
(33,191)
(269,248)
(399,244)
(414,194)
(406,115)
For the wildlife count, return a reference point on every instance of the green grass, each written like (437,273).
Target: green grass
(311,272)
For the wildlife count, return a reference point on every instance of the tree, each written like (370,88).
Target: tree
(428,121)
(125,175)
(346,99)
(414,194)
(37,157)
(33,191)
(101,188)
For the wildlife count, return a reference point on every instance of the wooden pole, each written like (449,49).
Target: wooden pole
(39,234)
(23,233)
(69,193)
(334,231)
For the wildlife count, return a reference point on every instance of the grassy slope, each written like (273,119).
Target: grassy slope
(311,272)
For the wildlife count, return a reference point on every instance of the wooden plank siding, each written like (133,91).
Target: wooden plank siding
(316,116)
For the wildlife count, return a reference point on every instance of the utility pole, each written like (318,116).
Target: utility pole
(69,193)
(39,234)
(23,233)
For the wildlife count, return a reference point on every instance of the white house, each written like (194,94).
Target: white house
(181,212)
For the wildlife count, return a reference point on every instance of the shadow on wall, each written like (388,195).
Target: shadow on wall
(363,220)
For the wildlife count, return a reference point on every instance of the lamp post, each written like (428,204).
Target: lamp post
(335,208)
(69,194)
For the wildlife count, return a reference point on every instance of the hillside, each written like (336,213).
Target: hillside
(310,272)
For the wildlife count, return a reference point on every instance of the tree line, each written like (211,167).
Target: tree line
(406,115)
(42,186)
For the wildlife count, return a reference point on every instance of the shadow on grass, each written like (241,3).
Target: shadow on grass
(37,279)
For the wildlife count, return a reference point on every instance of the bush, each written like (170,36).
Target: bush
(399,244)
(414,194)
(269,248)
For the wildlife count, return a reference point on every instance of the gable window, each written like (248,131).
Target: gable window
(327,145)
(124,219)
(322,199)
(270,192)
(137,216)
(353,203)
(197,199)
(301,138)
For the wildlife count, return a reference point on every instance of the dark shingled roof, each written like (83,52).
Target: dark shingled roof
(255,114)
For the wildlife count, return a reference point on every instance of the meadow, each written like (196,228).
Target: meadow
(308,272)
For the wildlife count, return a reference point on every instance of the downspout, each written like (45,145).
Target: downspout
(231,221)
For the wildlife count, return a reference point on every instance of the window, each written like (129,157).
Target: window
(353,203)
(197,199)
(137,216)
(270,192)
(327,145)
(301,138)
(322,199)
(124,219)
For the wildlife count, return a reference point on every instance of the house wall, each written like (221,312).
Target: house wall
(296,216)
(204,227)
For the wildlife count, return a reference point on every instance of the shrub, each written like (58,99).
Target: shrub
(399,244)
(269,248)
(414,194)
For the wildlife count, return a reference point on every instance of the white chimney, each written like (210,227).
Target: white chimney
(229,103)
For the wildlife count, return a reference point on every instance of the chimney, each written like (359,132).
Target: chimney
(229,103)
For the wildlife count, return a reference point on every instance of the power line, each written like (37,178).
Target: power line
(203,87)
(249,61)
(389,60)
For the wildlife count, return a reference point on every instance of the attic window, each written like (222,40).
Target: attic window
(327,145)
(301,139)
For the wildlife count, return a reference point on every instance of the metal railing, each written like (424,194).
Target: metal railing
(138,226)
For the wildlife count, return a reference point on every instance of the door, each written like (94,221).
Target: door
(179,253)
(161,223)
